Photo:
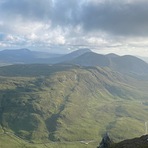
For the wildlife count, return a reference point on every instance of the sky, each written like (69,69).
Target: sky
(104,26)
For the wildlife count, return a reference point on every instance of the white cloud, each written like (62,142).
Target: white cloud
(3,45)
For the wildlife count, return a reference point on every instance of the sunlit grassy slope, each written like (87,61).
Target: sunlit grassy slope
(70,107)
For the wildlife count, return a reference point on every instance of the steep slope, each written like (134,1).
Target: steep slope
(63,105)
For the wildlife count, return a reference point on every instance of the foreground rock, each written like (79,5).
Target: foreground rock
(141,142)
(106,142)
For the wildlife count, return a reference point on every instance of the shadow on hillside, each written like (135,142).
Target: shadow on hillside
(51,124)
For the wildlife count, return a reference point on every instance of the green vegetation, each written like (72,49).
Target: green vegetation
(16,143)
(69,107)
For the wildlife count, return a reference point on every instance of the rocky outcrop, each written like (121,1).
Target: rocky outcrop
(141,142)
(106,142)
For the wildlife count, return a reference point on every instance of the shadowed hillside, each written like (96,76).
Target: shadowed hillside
(124,64)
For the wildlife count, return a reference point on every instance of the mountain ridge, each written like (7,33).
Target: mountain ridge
(24,55)
(125,64)
(70,56)
(83,57)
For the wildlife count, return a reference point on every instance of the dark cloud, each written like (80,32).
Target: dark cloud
(121,18)
(117,18)
(26,9)
(66,12)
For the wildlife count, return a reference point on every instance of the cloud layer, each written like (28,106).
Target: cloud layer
(105,24)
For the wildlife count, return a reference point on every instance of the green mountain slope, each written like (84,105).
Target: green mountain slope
(72,105)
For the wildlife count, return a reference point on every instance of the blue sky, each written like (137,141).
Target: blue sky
(119,26)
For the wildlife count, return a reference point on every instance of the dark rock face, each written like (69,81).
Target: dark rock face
(141,142)
(106,142)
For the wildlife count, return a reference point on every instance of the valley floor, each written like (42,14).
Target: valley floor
(16,142)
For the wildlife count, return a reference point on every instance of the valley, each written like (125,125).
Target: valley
(73,74)
(69,107)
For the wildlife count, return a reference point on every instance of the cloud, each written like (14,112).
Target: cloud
(26,9)
(2,36)
(124,17)
(98,24)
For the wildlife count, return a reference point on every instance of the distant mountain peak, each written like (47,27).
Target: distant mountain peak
(91,59)
(24,50)
(11,50)
(80,51)
(73,55)
(112,55)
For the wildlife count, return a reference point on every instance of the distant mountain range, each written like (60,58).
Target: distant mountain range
(82,57)
(24,56)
